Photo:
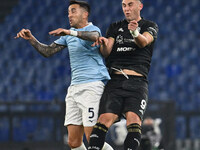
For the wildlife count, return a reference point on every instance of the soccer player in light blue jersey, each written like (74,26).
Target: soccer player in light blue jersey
(88,71)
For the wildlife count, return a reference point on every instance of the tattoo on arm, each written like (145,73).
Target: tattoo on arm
(46,50)
(88,35)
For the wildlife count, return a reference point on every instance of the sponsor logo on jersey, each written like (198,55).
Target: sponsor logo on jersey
(121,30)
(94,136)
(152,29)
(125,49)
(121,40)
(93,147)
(137,141)
(142,111)
(129,40)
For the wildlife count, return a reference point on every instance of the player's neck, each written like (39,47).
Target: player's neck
(83,24)
(139,18)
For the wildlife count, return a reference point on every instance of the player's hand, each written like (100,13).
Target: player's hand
(103,41)
(25,34)
(100,41)
(60,32)
(133,25)
(96,43)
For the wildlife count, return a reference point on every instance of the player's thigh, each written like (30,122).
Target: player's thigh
(111,102)
(88,102)
(73,114)
(75,133)
(136,98)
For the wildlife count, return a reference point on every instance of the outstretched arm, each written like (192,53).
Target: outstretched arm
(43,49)
(46,50)
(106,45)
(88,35)
(85,35)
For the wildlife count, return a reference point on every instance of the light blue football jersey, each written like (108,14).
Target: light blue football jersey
(87,64)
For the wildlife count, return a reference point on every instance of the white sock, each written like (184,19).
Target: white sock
(82,147)
(106,146)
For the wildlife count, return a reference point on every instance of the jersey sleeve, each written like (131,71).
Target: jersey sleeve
(61,41)
(91,29)
(152,28)
(111,32)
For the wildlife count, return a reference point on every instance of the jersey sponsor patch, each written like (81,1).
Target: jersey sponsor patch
(125,49)
(129,40)
(152,31)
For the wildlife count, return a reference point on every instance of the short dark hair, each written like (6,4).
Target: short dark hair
(82,4)
(139,0)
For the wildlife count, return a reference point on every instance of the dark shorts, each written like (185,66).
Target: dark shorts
(122,95)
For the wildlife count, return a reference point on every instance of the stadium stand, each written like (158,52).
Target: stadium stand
(27,76)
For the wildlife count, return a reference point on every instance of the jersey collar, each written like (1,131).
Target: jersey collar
(89,24)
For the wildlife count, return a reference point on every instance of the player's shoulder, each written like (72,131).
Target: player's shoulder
(91,26)
(149,23)
(118,24)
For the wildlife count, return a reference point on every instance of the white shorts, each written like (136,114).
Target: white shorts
(82,103)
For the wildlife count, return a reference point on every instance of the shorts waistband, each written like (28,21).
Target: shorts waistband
(129,76)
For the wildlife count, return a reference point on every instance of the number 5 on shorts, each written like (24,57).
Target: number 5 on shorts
(91,111)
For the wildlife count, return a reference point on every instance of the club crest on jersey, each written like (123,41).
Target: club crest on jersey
(120,39)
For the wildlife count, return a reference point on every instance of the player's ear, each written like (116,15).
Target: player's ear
(141,6)
(85,14)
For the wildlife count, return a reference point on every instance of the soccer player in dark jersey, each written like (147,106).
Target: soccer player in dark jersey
(128,48)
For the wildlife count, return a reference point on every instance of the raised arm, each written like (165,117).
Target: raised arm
(43,49)
(85,35)
(141,40)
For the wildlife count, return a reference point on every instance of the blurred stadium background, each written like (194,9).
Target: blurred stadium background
(33,88)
